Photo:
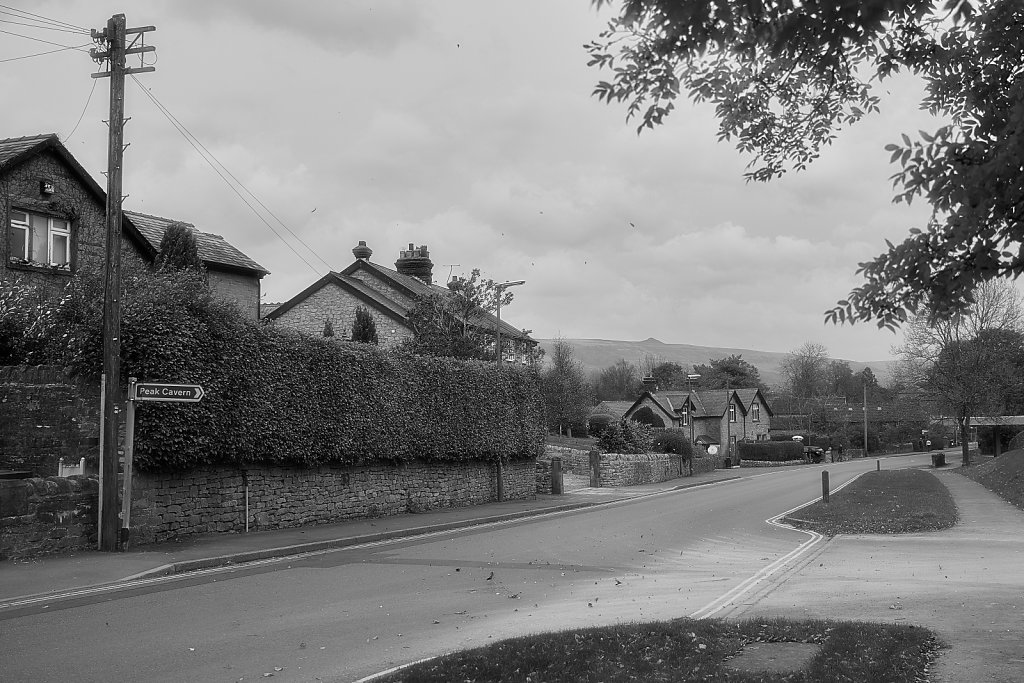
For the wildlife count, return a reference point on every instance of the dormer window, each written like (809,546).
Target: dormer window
(39,240)
(732,412)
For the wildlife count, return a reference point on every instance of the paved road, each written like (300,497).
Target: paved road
(345,614)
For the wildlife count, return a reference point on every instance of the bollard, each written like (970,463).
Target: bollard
(824,486)
(595,468)
(556,476)
(878,466)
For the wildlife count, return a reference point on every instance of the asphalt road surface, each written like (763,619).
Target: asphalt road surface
(345,614)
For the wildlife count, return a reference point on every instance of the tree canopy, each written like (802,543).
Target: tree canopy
(178,249)
(786,77)
(730,372)
(567,393)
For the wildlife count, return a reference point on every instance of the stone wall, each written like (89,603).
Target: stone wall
(45,516)
(20,189)
(241,288)
(331,302)
(768,463)
(629,470)
(169,505)
(574,460)
(618,469)
(45,416)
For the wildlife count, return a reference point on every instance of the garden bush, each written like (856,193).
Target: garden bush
(277,397)
(673,441)
(626,436)
(770,451)
(598,423)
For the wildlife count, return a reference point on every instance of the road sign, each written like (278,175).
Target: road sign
(179,393)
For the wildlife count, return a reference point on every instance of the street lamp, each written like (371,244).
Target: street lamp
(497,324)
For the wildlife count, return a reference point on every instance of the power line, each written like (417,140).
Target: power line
(39,26)
(40,40)
(239,182)
(207,156)
(48,52)
(22,14)
(82,115)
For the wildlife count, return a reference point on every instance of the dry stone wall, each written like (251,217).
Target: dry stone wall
(45,516)
(170,505)
(619,469)
(45,416)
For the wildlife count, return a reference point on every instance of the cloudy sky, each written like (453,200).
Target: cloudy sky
(469,127)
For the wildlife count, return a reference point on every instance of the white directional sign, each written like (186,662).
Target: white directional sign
(180,393)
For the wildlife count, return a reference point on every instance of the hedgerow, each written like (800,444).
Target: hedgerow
(277,397)
(770,451)
(626,436)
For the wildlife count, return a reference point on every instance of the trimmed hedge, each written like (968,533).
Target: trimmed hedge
(626,436)
(770,451)
(277,397)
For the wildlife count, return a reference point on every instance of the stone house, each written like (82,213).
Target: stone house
(54,215)
(388,294)
(719,417)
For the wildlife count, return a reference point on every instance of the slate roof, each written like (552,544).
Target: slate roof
(213,249)
(614,408)
(12,149)
(147,231)
(416,287)
(713,402)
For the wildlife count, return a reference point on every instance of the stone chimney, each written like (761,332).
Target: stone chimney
(650,384)
(416,262)
(362,252)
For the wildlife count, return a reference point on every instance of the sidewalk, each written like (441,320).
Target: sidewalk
(964,583)
(57,574)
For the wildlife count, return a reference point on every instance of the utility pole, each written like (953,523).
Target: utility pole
(114,50)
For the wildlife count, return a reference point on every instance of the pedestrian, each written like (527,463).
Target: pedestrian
(839,450)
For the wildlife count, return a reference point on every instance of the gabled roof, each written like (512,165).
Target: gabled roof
(665,406)
(614,408)
(354,286)
(213,249)
(415,287)
(715,402)
(146,231)
(747,397)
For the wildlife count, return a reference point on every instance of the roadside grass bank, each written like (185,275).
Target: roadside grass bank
(684,649)
(1003,475)
(885,502)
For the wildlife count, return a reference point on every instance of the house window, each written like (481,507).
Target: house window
(756,417)
(686,415)
(732,412)
(39,239)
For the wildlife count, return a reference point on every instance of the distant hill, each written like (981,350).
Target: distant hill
(596,354)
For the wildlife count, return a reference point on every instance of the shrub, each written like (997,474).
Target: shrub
(770,451)
(673,441)
(598,423)
(275,396)
(626,436)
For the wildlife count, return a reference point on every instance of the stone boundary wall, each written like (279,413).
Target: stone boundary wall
(171,505)
(574,460)
(543,475)
(45,516)
(618,469)
(646,468)
(766,463)
(46,416)
(706,463)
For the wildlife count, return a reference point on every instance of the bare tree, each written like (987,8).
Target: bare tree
(805,370)
(963,359)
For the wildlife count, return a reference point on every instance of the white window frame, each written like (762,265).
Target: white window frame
(52,231)
(732,413)
(24,226)
(32,250)
(757,412)
(686,415)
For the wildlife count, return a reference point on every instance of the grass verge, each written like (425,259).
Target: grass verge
(688,650)
(886,502)
(1003,475)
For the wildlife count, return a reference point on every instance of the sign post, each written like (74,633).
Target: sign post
(146,391)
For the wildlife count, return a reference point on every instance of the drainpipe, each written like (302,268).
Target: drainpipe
(245,482)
